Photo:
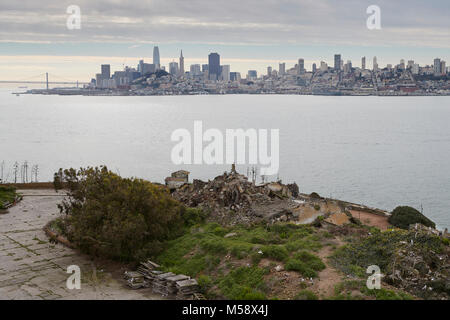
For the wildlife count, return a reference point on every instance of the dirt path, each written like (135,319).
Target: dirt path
(329,277)
(33,268)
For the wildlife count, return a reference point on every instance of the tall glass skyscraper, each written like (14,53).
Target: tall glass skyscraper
(337,62)
(156,60)
(214,66)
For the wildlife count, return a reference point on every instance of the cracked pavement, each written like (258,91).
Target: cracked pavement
(33,268)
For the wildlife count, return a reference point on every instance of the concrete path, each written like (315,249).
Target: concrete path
(33,268)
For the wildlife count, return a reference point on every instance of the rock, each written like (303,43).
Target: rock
(231,234)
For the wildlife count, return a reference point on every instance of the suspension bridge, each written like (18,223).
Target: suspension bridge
(45,80)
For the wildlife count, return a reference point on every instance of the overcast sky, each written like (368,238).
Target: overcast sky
(248,34)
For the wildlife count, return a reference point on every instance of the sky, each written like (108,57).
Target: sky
(248,34)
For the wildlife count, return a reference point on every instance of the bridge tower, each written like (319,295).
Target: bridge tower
(46,79)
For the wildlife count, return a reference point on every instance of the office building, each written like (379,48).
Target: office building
(282,69)
(437,66)
(235,76)
(195,70)
(252,75)
(106,71)
(337,62)
(225,76)
(214,66)
(156,59)
(173,68)
(301,66)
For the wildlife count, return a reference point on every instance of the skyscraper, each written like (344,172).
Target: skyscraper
(195,70)
(252,75)
(282,68)
(141,67)
(214,66)
(181,64)
(443,68)
(156,60)
(337,62)
(314,68)
(269,71)
(437,66)
(375,64)
(173,68)
(301,65)
(106,71)
(363,63)
(225,76)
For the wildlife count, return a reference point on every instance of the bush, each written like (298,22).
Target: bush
(306,295)
(305,263)
(114,217)
(205,283)
(7,195)
(403,217)
(193,216)
(276,252)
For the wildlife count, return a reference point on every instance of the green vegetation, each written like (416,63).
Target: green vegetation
(305,263)
(344,290)
(403,217)
(118,218)
(306,295)
(380,249)
(204,242)
(225,259)
(244,283)
(7,195)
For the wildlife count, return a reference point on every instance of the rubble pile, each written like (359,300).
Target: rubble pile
(233,192)
(425,272)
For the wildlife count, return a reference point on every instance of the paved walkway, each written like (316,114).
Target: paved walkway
(33,268)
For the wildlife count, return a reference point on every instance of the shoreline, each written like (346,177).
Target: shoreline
(82,92)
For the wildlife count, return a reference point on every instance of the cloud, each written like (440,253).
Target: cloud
(411,23)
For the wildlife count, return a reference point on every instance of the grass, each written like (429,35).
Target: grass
(7,195)
(228,266)
(244,283)
(305,263)
(306,295)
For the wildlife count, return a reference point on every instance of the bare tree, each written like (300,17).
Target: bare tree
(15,170)
(34,173)
(2,168)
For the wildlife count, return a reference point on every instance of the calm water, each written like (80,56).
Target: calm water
(381,152)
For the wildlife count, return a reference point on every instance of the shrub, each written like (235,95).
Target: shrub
(403,217)
(305,263)
(192,216)
(276,252)
(306,295)
(114,217)
(205,283)
(7,195)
